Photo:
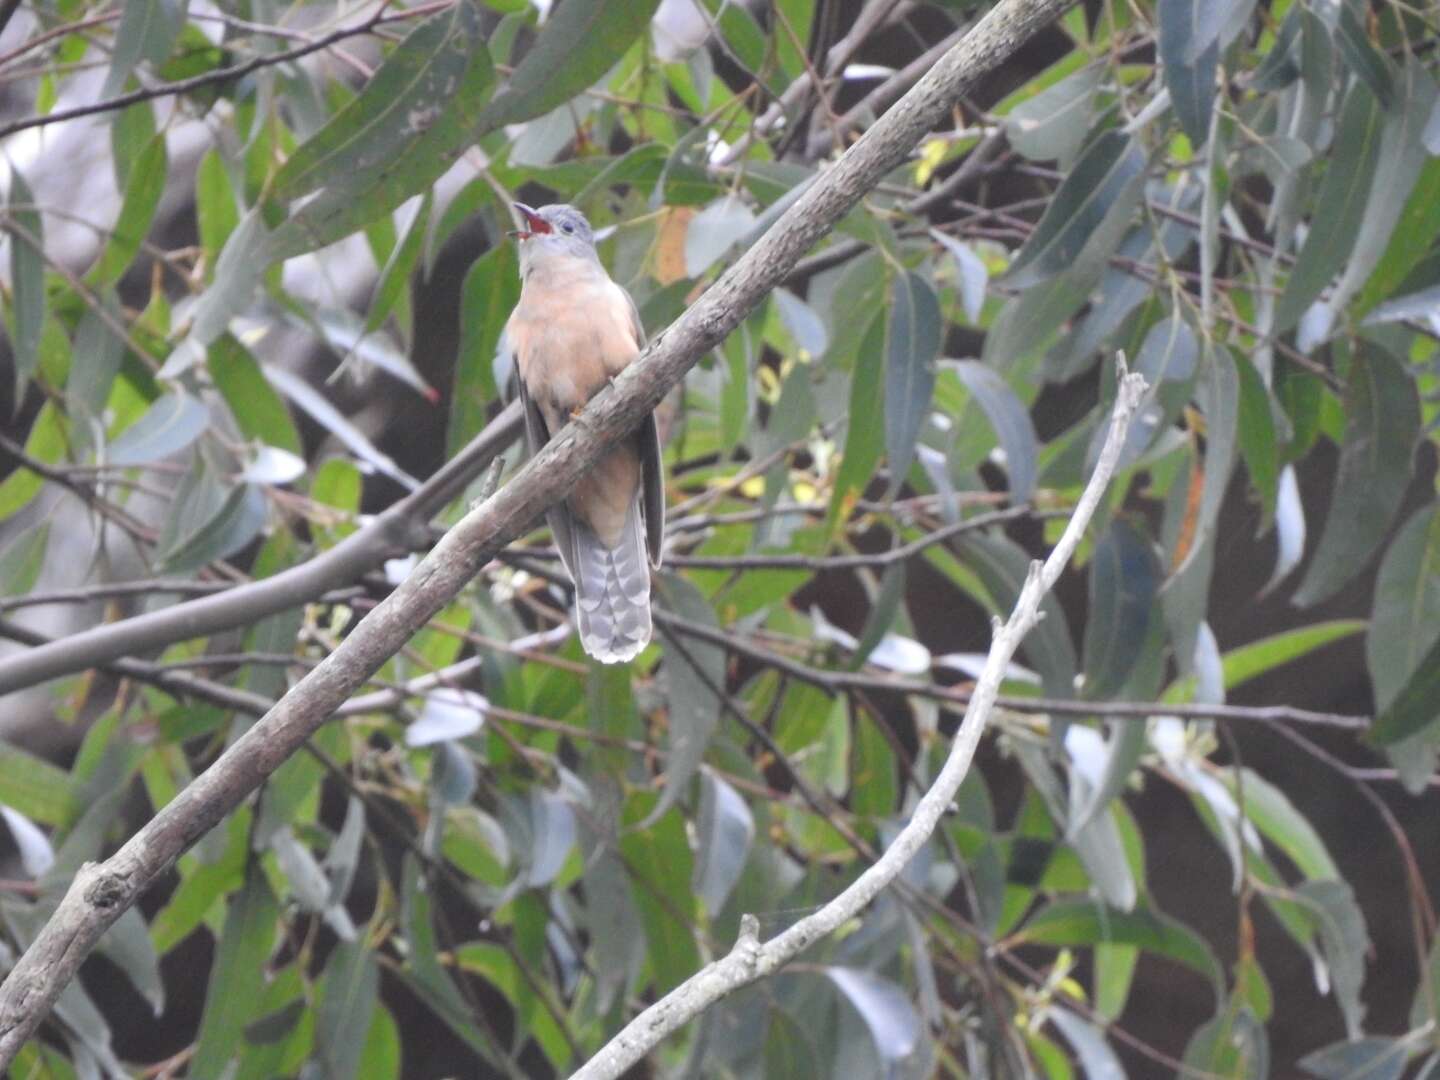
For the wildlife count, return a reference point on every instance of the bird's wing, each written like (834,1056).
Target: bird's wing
(652,470)
(537,435)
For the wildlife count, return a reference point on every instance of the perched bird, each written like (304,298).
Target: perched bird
(572,332)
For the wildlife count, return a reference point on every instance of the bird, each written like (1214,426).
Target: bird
(572,331)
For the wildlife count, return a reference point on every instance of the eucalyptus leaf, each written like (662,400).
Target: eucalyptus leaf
(27,274)
(1382,424)
(1103,186)
(913,335)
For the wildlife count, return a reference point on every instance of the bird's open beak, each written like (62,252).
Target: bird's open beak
(535,224)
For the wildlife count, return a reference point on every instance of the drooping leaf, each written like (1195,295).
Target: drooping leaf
(320,409)
(402,132)
(892,1021)
(1011,421)
(1371,1058)
(1340,206)
(348,994)
(147,30)
(694,678)
(1344,942)
(1189,54)
(725,831)
(660,856)
(489,293)
(714,231)
(1361,56)
(1096,1057)
(1405,618)
(972,276)
(1001,565)
(1382,423)
(574,49)
(440,59)
(913,336)
(237,976)
(1259,443)
(137,210)
(259,412)
(236,521)
(27,275)
(1099,190)
(865,424)
(1124,579)
(172,423)
(395,275)
(1051,125)
(1085,923)
(1402,155)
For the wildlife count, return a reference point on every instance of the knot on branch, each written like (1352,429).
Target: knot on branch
(106,891)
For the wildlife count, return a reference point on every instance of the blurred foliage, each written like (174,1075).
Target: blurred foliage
(520,850)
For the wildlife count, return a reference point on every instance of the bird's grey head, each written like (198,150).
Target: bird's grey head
(551,231)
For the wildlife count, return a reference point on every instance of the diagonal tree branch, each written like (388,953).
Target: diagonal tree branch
(395,532)
(100,893)
(749,960)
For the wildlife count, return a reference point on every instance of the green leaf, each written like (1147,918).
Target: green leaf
(1232,1044)
(1124,580)
(1010,419)
(1417,704)
(147,30)
(46,442)
(399,104)
(579,43)
(236,522)
(724,832)
(1340,926)
(864,429)
(397,137)
(491,289)
(1371,1058)
(1361,56)
(1259,442)
(1405,618)
(1410,239)
(1093,1052)
(893,1024)
(173,422)
(21,560)
(348,993)
(913,336)
(1190,53)
(1340,207)
(1100,190)
(36,788)
(426,976)
(137,210)
(27,276)
(1402,157)
(1276,817)
(1382,424)
(659,857)
(1218,395)
(259,412)
(691,679)
(237,977)
(1053,124)
(216,211)
(1001,566)
(1084,922)
(395,277)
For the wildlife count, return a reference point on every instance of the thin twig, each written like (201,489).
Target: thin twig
(750,960)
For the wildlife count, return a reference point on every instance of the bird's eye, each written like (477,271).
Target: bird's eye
(568,228)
